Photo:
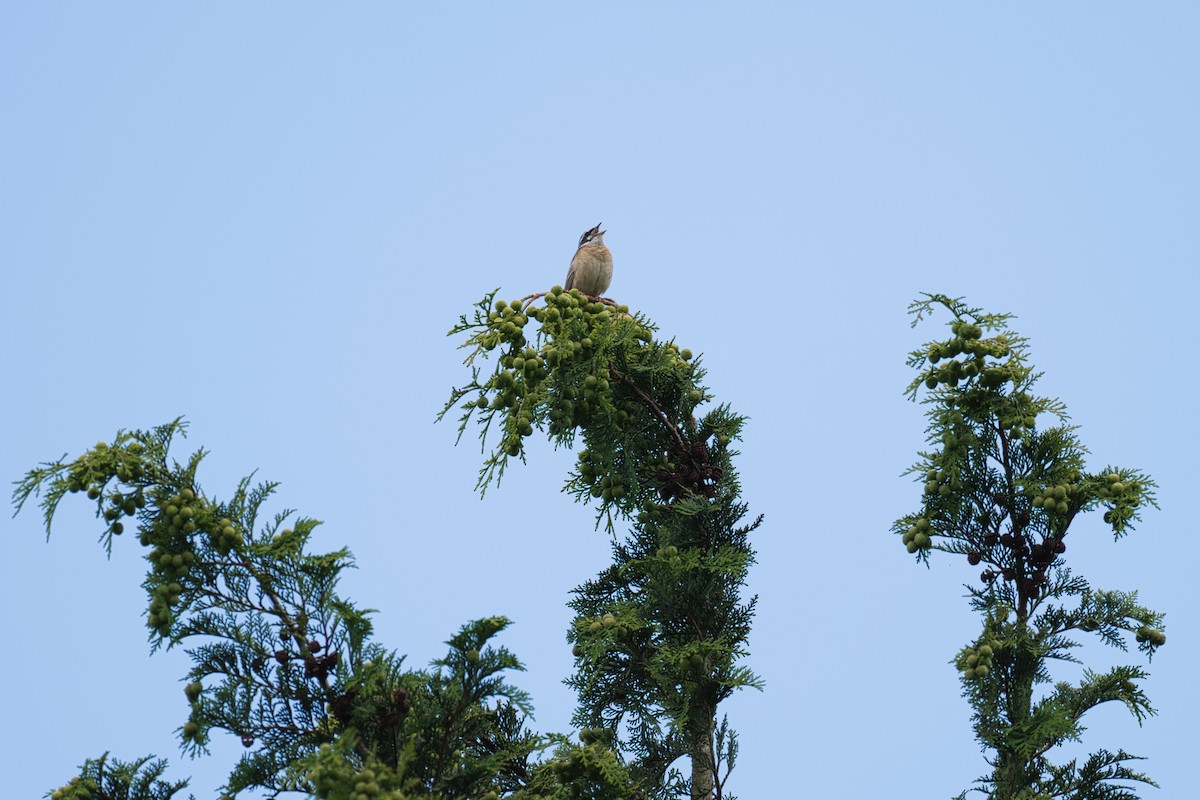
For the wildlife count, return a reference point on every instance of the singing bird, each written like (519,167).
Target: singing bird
(591,268)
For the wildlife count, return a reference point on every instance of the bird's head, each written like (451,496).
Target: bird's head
(592,236)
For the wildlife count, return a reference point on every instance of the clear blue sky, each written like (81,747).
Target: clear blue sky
(265,216)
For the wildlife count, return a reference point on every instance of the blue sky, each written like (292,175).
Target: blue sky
(265,216)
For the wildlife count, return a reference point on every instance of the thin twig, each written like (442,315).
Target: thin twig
(648,401)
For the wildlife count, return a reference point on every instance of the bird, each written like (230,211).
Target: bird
(591,268)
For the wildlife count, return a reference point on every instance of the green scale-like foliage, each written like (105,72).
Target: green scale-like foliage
(658,634)
(1003,479)
(268,630)
(112,779)
(284,663)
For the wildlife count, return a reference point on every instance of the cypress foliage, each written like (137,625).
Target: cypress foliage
(1004,479)
(287,665)
(658,635)
(102,779)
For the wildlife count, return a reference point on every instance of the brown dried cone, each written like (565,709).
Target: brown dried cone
(342,707)
(693,474)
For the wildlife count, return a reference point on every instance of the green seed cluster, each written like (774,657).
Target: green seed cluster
(164,598)
(1020,422)
(523,369)
(568,314)
(573,324)
(975,662)
(104,463)
(607,626)
(595,735)
(680,359)
(184,514)
(563,306)
(576,407)
(967,342)
(917,537)
(1114,487)
(93,472)
(172,555)
(119,505)
(522,366)
(528,363)
(670,552)
(341,780)
(1124,495)
(956,439)
(1056,499)
(604,484)
(1152,635)
(508,320)
(80,788)
(955,443)
(941,483)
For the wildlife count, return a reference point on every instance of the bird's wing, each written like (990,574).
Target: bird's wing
(570,282)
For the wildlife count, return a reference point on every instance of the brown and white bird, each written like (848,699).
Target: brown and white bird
(591,268)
